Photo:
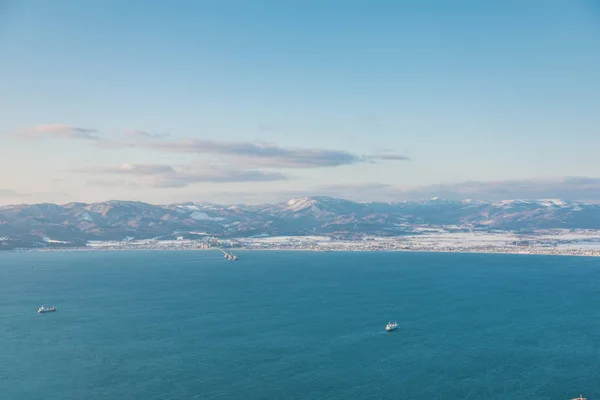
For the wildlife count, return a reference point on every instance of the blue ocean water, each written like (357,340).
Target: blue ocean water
(293,325)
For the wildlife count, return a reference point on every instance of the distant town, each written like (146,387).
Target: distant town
(580,242)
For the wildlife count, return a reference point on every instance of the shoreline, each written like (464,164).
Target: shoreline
(583,243)
(563,253)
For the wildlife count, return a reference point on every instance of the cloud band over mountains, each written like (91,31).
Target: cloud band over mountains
(566,188)
(166,176)
(268,155)
(242,154)
(585,189)
(258,162)
(261,154)
(244,161)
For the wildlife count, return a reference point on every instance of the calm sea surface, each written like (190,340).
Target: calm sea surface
(287,325)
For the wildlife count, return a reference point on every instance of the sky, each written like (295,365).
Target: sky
(260,101)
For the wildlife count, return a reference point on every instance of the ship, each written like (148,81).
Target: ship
(44,309)
(391,326)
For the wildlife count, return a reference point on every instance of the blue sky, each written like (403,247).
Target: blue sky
(250,101)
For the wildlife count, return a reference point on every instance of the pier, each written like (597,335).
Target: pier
(228,255)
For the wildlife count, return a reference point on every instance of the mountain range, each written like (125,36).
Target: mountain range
(73,224)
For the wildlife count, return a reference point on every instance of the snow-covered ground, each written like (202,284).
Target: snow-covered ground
(581,245)
(439,240)
(464,238)
(48,240)
(202,216)
(288,239)
(558,242)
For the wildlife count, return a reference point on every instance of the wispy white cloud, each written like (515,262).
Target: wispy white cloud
(263,154)
(166,176)
(136,133)
(68,132)
(128,169)
(246,154)
(183,179)
(388,157)
(60,131)
(112,183)
(268,155)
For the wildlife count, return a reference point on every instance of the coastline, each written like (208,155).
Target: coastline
(584,243)
(536,252)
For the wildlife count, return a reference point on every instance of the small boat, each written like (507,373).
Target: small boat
(44,309)
(580,398)
(391,326)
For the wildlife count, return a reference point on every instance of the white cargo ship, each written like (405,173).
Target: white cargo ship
(391,326)
(44,309)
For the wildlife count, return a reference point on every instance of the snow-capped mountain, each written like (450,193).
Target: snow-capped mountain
(77,223)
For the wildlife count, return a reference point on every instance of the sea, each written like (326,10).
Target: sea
(298,325)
